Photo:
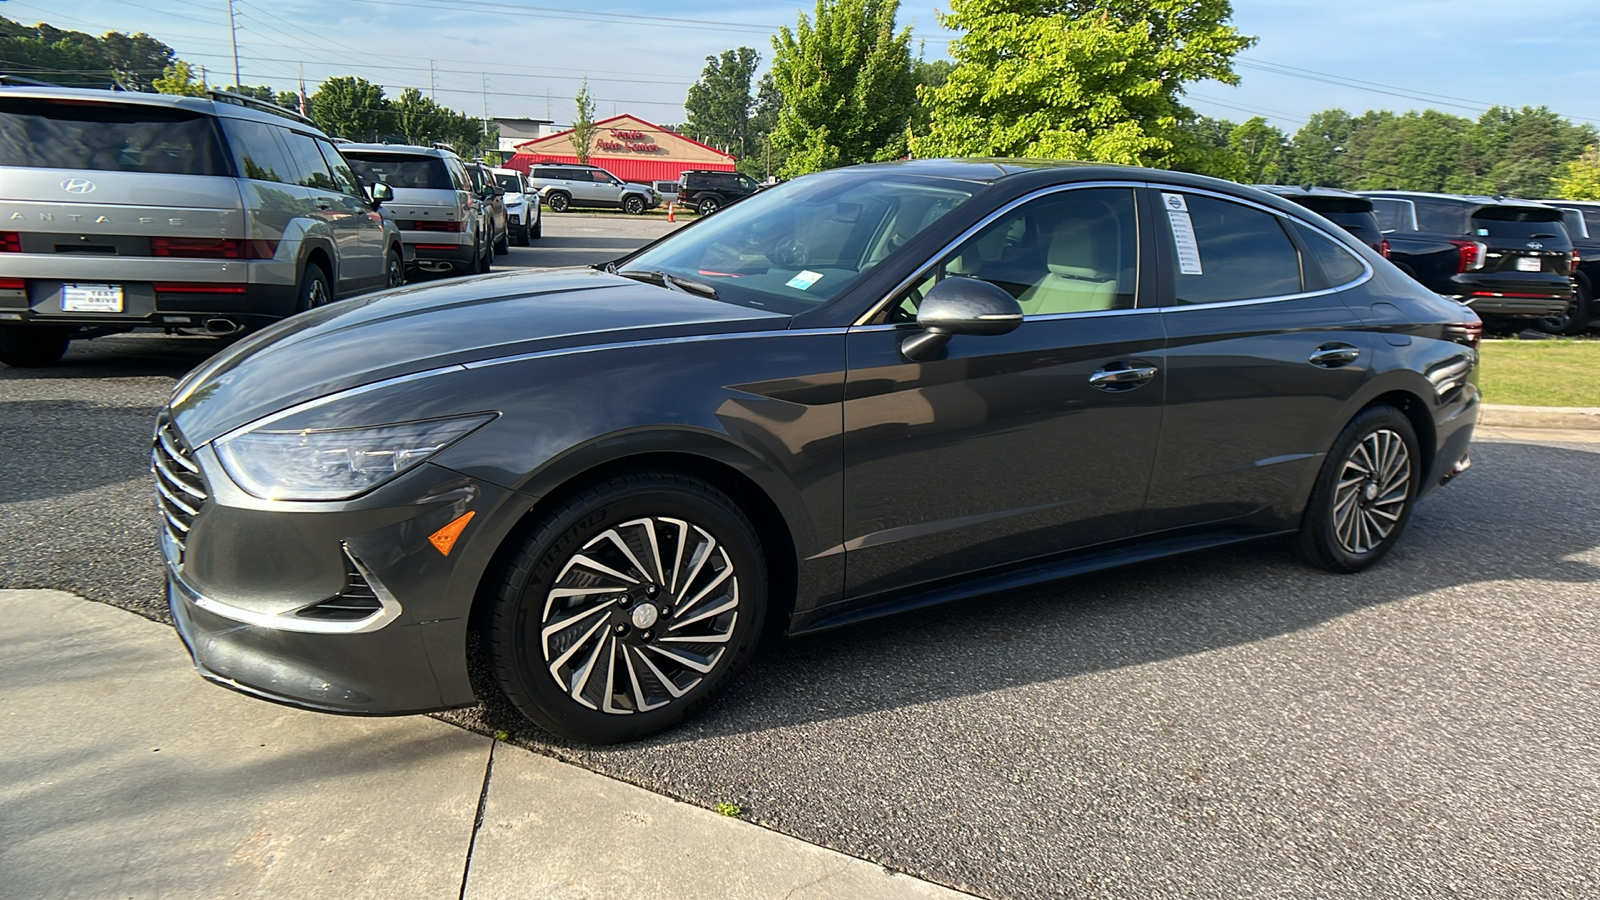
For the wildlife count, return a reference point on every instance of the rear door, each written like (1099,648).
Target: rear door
(1261,360)
(344,216)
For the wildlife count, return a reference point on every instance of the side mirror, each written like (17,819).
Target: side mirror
(382,193)
(960,305)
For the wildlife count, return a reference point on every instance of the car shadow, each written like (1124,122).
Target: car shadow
(1502,521)
(137,355)
(46,438)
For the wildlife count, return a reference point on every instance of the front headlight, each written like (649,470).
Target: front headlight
(335,464)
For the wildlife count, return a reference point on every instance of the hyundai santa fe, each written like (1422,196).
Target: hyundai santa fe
(859,392)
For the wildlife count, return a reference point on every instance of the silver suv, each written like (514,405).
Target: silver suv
(563,187)
(436,204)
(125,210)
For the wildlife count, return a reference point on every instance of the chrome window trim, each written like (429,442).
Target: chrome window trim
(861,320)
(1366,267)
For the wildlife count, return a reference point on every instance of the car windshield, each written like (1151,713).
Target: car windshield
(401,170)
(108,137)
(803,243)
(510,183)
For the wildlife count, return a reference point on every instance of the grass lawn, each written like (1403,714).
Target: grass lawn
(1541,373)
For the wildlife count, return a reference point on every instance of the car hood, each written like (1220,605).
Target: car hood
(415,329)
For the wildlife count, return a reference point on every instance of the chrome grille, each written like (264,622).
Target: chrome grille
(179,488)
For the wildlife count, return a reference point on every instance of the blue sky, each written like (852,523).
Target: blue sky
(525,58)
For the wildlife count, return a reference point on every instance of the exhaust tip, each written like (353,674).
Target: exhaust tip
(222,327)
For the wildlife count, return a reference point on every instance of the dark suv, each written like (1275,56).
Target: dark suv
(1582,218)
(707,191)
(1510,260)
(1349,211)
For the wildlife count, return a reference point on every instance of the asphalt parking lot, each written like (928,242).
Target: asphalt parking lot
(1228,724)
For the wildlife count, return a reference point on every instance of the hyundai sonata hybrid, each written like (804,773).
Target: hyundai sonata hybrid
(859,392)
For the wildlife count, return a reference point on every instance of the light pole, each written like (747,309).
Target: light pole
(233,38)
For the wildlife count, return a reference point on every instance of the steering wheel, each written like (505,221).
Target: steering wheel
(788,252)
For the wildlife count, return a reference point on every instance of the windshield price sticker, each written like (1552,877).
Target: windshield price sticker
(804,280)
(1183,234)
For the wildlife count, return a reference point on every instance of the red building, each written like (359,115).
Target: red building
(629,148)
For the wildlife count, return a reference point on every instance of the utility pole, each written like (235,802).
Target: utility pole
(233,38)
(486,113)
(430,79)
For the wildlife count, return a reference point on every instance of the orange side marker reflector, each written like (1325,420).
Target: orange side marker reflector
(444,540)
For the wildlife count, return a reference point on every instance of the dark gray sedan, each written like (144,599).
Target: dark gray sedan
(859,392)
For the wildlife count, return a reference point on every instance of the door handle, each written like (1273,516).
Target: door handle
(1123,378)
(1332,356)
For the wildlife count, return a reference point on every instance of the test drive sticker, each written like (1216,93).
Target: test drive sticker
(1183,234)
(805,279)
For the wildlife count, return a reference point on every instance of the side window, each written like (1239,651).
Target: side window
(314,172)
(458,175)
(1393,215)
(1591,218)
(602,177)
(747,183)
(258,152)
(1447,218)
(1226,251)
(1339,265)
(1073,251)
(343,177)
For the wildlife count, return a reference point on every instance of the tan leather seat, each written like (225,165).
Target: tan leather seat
(1075,281)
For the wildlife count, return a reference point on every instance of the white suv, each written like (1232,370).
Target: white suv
(522,206)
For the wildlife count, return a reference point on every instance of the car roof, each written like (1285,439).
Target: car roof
(205,105)
(501,170)
(1306,190)
(1573,204)
(1478,200)
(412,149)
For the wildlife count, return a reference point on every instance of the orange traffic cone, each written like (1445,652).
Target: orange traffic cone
(670,217)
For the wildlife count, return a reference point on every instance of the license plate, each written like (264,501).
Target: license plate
(1529,264)
(106,298)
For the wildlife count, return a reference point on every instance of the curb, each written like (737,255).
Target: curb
(1584,418)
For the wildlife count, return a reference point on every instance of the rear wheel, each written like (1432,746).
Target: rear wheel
(23,347)
(557,201)
(1574,320)
(708,206)
(1363,496)
(395,269)
(628,607)
(314,289)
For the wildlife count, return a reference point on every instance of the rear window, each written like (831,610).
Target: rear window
(108,137)
(401,170)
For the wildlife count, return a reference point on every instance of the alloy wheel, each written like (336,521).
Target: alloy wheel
(1374,486)
(318,294)
(640,615)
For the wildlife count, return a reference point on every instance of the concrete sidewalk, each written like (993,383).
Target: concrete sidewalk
(122,774)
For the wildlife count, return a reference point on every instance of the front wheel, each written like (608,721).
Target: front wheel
(24,347)
(1363,495)
(628,607)
(538,228)
(633,206)
(503,245)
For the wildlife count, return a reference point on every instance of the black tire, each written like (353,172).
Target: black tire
(485,258)
(538,228)
(1575,320)
(395,269)
(522,236)
(708,205)
(633,205)
(315,289)
(557,201)
(1354,539)
(503,246)
(732,570)
(26,347)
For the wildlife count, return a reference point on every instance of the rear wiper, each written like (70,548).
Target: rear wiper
(1540,235)
(675,282)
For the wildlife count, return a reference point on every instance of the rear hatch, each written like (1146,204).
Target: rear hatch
(1525,249)
(425,199)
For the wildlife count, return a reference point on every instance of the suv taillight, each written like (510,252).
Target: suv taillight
(433,225)
(10,242)
(212,248)
(1575,260)
(1472,255)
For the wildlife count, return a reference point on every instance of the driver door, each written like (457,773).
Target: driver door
(1002,450)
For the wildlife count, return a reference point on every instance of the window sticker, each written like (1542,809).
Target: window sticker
(804,280)
(1183,234)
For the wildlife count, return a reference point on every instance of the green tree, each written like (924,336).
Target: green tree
(583,129)
(1078,78)
(845,79)
(719,104)
(1522,149)
(351,108)
(1317,152)
(178,78)
(417,118)
(258,92)
(74,58)
(1580,178)
(1205,151)
(1259,152)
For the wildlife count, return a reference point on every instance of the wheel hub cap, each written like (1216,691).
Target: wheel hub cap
(1372,492)
(644,615)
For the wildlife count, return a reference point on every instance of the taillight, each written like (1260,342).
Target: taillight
(1383,248)
(1468,333)
(436,225)
(1575,260)
(1472,255)
(10,242)
(212,248)
(13,284)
